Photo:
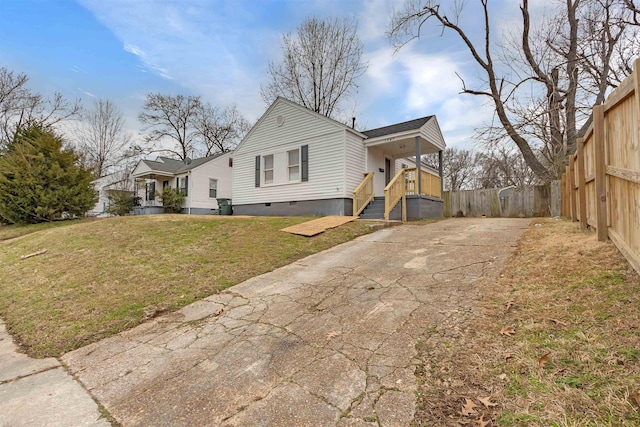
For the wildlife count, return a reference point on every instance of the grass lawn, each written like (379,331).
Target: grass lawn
(100,277)
(557,343)
(12,231)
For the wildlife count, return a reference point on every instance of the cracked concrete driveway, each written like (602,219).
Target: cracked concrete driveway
(326,341)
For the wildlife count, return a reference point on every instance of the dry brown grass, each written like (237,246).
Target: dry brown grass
(99,278)
(574,359)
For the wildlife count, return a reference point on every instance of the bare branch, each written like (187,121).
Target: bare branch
(321,65)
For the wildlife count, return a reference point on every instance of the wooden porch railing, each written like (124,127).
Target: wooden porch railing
(395,191)
(405,183)
(363,194)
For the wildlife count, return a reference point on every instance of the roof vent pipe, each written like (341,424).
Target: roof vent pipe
(353,122)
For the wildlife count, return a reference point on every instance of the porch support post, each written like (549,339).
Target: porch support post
(418,166)
(440,166)
(419,174)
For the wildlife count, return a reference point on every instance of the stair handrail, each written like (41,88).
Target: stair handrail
(363,194)
(394,192)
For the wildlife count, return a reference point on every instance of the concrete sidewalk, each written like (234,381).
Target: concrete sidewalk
(40,392)
(326,341)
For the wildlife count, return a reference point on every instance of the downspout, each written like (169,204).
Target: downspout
(419,175)
(190,193)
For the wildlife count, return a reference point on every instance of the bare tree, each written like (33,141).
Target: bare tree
(321,64)
(502,167)
(172,118)
(102,138)
(534,83)
(220,130)
(458,169)
(19,106)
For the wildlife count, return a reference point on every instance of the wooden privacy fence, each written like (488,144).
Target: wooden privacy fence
(511,202)
(601,186)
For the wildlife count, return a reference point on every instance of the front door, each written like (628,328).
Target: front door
(387,171)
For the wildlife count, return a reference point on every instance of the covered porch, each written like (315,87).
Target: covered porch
(148,188)
(395,176)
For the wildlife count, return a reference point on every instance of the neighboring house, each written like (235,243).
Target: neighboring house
(202,180)
(108,185)
(297,162)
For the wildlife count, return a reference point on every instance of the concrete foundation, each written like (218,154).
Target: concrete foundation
(297,208)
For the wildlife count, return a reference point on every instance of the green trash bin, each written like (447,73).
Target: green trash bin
(224,207)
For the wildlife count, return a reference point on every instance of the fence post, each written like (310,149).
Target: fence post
(563,195)
(601,177)
(582,194)
(636,81)
(572,188)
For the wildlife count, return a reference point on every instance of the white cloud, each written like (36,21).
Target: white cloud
(205,47)
(89,94)
(134,50)
(220,49)
(374,19)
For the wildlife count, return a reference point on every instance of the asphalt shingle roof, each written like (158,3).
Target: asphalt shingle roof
(398,127)
(178,166)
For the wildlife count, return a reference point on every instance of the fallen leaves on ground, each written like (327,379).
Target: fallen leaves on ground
(543,360)
(481,422)
(508,331)
(559,322)
(468,407)
(486,401)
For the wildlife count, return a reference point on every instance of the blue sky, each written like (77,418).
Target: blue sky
(219,49)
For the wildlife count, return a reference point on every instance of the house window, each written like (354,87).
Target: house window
(213,188)
(293,165)
(267,168)
(165,184)
(151,190)
(183,185)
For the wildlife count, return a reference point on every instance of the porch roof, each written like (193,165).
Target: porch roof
(168,167)
(398,140)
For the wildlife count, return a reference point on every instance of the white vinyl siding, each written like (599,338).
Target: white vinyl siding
(354,162)
(326,144)
(409,163)
(200,183)
(431,132)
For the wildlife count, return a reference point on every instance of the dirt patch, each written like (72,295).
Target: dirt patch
(555,341)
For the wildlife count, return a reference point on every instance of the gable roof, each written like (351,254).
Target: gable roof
(398,127)
(167,164)
(280,99)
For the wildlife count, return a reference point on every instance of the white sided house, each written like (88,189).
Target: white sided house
(297,162)
(107,186)
(202,180)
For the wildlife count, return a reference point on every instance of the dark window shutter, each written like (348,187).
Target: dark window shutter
(304,159)
(186,185)
(177,183)
(257,171)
